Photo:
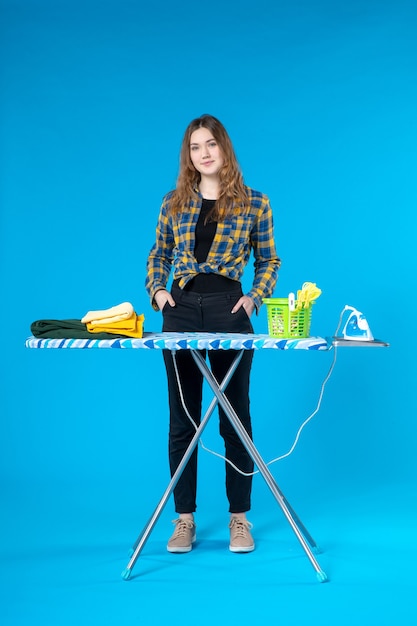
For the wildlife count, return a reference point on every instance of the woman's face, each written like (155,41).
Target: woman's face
(205,154)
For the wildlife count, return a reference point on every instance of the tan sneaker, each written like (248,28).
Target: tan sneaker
(183,537)
(240,538)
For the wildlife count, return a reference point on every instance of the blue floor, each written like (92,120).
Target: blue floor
(61,563)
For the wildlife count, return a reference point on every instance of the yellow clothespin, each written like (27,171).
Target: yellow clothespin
(307,294)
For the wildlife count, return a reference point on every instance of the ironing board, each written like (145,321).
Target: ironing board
(195,342)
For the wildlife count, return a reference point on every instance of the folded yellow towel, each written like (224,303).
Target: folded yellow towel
(130,327)
(108,316)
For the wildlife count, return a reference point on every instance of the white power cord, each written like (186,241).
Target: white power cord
(306,421)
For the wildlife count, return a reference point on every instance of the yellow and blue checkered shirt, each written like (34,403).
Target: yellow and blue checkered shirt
(235,238)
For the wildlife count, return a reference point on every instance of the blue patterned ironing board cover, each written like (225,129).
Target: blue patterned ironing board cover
(188,341)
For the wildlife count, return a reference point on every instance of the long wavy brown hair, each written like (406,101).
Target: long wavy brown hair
(232,197)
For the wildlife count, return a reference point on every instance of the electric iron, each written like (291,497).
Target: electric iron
(354,325)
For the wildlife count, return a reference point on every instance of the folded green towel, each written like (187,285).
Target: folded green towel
(66,329)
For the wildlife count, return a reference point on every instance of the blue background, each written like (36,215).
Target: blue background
(319,98)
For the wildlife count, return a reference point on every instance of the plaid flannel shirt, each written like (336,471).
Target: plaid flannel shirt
(235,238)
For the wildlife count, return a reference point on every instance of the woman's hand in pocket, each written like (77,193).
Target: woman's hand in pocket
(247,303)
(163,296)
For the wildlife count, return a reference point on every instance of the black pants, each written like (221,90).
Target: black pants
(196,312)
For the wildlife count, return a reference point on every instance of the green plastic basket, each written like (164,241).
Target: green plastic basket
(285,323)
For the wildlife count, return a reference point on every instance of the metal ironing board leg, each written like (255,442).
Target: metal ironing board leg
(303,529)
(144,535)
(257,459)
(218,389)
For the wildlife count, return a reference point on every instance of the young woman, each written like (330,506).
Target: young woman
(206,230)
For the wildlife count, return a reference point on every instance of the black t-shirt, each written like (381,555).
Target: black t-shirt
(204,231)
